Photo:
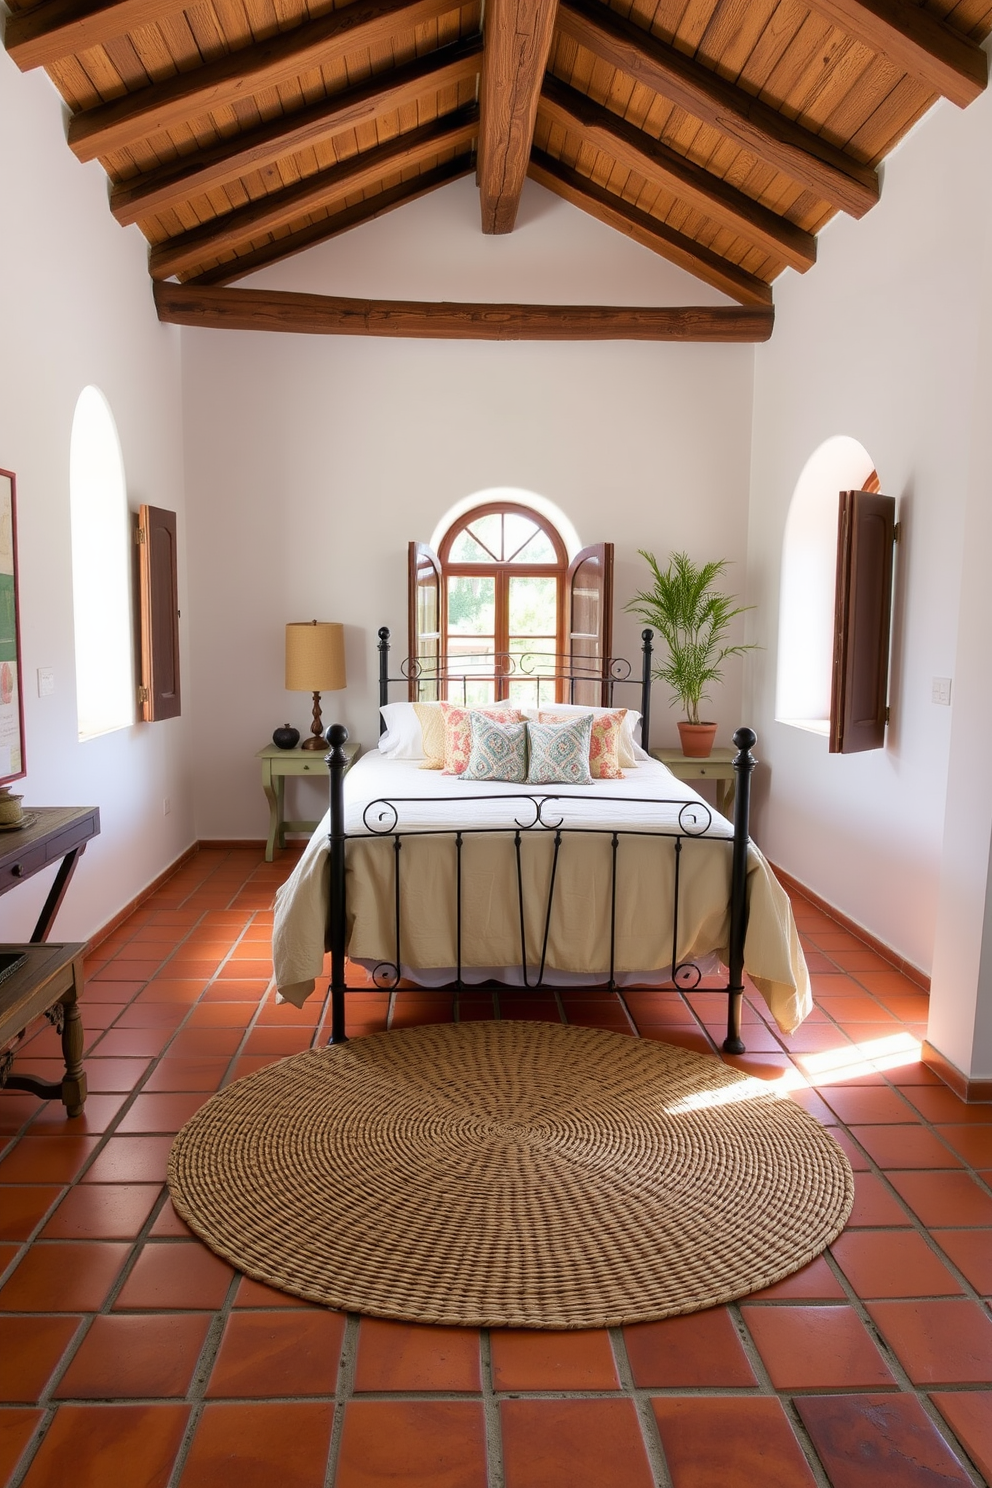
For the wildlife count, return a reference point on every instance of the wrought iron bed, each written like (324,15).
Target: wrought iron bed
(382,818)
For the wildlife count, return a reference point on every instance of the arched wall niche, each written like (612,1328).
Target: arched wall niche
(809,571)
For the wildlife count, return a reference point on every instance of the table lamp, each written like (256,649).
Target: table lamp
(315,663)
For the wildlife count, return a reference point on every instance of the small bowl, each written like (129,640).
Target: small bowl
(10,808)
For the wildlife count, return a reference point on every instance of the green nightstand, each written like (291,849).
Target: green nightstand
(276,765)
(718,766)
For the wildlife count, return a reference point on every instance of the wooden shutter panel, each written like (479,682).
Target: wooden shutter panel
(589,598)
(158,570)
(862,618)
(425,595)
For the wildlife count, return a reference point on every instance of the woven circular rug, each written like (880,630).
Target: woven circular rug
(509,1174)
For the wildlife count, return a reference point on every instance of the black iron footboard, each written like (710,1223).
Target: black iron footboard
(381,819)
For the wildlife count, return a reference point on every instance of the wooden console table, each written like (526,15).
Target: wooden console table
(54,832)
(50,982)
(276,765)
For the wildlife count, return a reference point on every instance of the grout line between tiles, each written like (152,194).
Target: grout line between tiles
(495,1477)
(646,1419)
(344,1390)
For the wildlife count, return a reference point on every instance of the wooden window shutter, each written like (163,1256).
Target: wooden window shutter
(158,571)
(425,596)
(862,618)
(589,601)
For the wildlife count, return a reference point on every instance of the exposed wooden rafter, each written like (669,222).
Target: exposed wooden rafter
(336,223)
(770,136)
(187,250)
(327,315)
(656,162)
(216,165)
(648,231)
(517,43)
(914,41)
(59,28)
(239,75)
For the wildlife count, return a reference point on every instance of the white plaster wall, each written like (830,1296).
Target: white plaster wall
(311,461)
(879,342)
(75,308)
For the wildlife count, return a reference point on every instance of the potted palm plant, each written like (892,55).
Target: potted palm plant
(693,618)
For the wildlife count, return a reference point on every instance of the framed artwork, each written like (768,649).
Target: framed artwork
(12,765)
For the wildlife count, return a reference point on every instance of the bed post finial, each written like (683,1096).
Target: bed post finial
(383,673)
(337,763)
(744,763)
(647,636)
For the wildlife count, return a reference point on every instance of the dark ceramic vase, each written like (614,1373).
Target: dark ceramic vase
(286,737)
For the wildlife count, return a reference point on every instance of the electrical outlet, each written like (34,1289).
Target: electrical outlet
(46,681)
(166,806)
(941,692)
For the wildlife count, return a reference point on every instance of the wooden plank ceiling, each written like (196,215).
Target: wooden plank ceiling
(721,134)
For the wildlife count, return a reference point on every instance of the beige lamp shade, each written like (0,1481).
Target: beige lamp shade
(315,656)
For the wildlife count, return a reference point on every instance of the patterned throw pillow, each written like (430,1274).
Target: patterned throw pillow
(605,745)
(559,752)
(499,750)
(457,731)
(432,728)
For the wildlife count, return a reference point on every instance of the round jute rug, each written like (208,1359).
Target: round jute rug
(509,1174)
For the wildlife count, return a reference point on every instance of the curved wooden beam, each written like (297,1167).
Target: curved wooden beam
(517,43)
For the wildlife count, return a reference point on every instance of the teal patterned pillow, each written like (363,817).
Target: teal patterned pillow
(559,752)
(499,750)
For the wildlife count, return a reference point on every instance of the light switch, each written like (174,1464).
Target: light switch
(941,691)
(46,681)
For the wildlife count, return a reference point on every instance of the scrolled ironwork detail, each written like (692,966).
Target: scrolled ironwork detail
(619,669)
(386,976)
(56,1016)
(686,976)
(386,821)
(689,824)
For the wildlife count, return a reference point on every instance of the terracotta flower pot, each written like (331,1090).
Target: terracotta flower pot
(697,739)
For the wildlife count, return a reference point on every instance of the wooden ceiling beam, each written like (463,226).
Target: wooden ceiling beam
(914,41)
(694,186)
(770,136)
(518,37)
(233,78)
(339,222)
(221,234)
(331,315)
(192,175)
(63,28)
(685,252)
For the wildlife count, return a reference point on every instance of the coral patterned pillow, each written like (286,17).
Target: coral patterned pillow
(458,734)
(604,745)
(499,750)
(559,752)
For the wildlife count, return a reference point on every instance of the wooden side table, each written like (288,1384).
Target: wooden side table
(50,982)
(718,766)
(276,765)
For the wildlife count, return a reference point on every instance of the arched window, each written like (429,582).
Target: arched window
(101,566)
(503,568)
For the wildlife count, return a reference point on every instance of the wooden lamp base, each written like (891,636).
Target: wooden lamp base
(316,740)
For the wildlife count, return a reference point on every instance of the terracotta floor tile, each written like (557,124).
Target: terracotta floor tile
(904,1147)
(969,1414)
(247,970)
(133,1043)
(188,1074)
(256,1294)
(952,1198)
(913,1073)
(887,980)
(701,1349)
(937,1343)
(174,1274)
(813,1283)
(160,1113)
(55,1159)
(30,1348)
(95,1446)
(22,1208)
(206,1041)
(973,1142)
(167,1224)
(108,1075)
(121,969)
(723,1443)
(810,1348)
(152,1015)
(582,1443)
(136,1357)
(971,1252)
(172,986)
(102,1211)
(131,1160)
(856,1009)
(408,1356)
(941,1104)
(879,1441)
(260,1446)
(867,1104)
(281,1041)
(682,1038)
(892,1263)
(222,1015)
(533,1359)
(234,991)
(852,1150)
(64,1276)
(17,1426)
(265,1354)
(875,1204)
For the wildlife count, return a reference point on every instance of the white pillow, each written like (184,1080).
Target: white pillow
(630,750)
(403,738)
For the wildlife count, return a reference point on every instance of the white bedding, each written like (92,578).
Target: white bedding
(772,953)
